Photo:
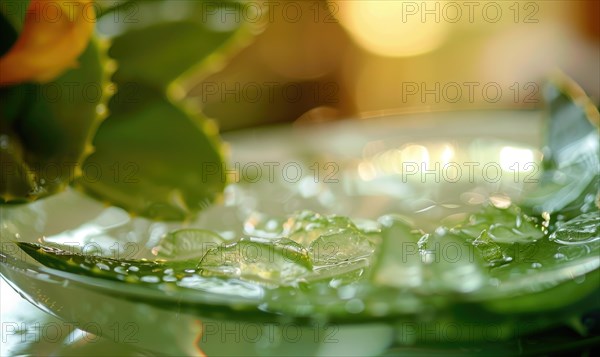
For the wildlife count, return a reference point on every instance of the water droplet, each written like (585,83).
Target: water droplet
(441,231)
(103,266)
(150,279)
(427,256)
(536,265)
(120,270)
(355,306)
(500,201)
(574,251)
(346,292)
(580,230)
(335,283)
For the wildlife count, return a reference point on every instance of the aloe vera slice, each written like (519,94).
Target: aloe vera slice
(189,243)
(570,182)
(130,271)
(272,261)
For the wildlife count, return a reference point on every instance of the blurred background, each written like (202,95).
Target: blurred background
(326,60)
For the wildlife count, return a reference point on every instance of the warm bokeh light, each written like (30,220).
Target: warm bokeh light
(416,154)
(353,58)
(393,28)
(447,154)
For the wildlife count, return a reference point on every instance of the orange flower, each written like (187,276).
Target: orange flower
(55,33)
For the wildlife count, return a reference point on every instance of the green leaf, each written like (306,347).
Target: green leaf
(546,296)
(157,42)
(568,256)
(17,178)
(491,230)
(131,271)
(158,159)
(507,225)
(451,264)
(155,162)
(155,56)
(46,129)
(13,11)
(572,157)
(570,120)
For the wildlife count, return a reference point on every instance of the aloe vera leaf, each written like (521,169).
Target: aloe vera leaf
(568,256)
(572,117)
(130,271)
(569,184)
(182,46)
(13,13)
(47,128)
(155,162)
(170,158)
(552,297)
